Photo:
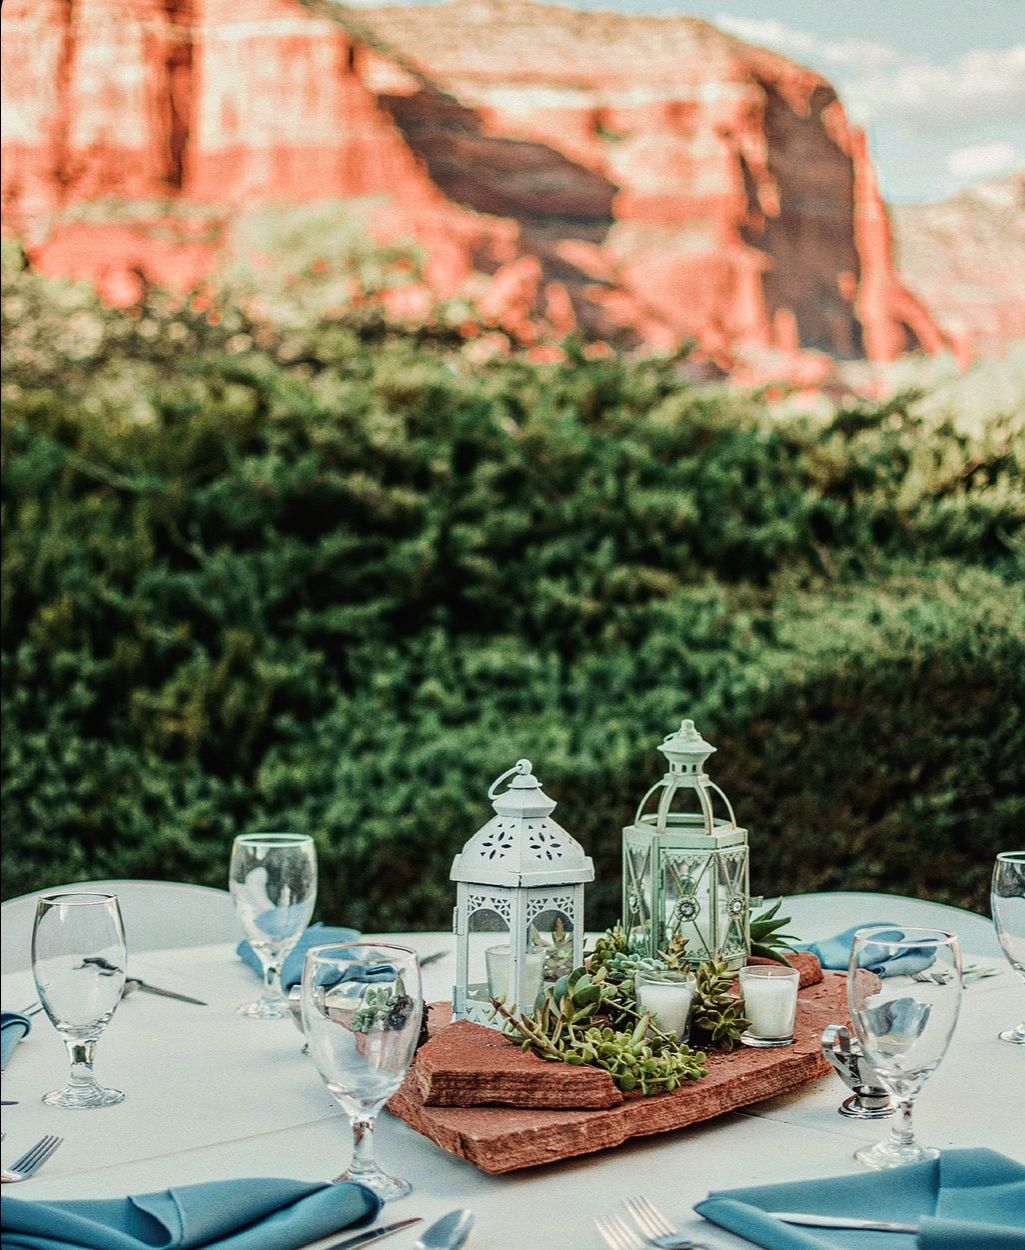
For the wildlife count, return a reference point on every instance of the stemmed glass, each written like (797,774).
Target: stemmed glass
(78,961)
(1007,902)
(904,1022)
(273,883)
(362,1006)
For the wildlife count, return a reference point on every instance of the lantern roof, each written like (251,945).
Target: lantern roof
(521,845)
(686,795)
(686,747)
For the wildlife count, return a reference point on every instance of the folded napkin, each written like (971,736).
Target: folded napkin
(13,1027)
(313,935)
(835,952)
(251,1214)
(964,1200)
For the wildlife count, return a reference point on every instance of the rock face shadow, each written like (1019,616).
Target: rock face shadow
(815,266)
(549,196)
(527,181)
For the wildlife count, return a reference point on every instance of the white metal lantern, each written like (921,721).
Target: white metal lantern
(685,869)
(519,915)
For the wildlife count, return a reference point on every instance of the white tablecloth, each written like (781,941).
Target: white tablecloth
(212,1095)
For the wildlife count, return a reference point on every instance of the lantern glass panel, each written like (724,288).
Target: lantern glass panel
(551,933)
(486,930)
(637,867)
(731,901)
(687,898)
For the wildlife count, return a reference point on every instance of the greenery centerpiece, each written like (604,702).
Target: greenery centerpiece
(590,1015)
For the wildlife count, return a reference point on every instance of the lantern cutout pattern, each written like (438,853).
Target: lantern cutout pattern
(519,915)
(685,869)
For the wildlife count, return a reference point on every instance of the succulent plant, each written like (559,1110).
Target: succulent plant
(558,950)
(675,954)
(766,940)
(718,1019)
(381,1009)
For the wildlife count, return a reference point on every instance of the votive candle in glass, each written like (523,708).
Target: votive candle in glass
(668,996)
(499,962)
(769,992)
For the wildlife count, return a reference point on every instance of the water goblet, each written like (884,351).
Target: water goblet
(903,1021)
(273,884)
(362,1006)
(1007,903)
(78,962)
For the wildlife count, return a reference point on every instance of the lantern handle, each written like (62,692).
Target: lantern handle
(521,767)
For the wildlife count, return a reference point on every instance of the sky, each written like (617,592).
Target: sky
(939,85)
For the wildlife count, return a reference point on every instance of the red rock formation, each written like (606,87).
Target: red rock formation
(647,180)
(966,255)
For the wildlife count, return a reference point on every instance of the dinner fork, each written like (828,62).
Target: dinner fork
(31,1161)
(656,1228)
(616,1233)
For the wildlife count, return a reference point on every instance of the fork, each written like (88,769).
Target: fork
(31,1161)
(616,1233)
(656,1228)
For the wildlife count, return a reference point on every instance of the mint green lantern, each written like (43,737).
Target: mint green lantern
(685,867)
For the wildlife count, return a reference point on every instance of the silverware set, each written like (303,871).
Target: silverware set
(650,1228)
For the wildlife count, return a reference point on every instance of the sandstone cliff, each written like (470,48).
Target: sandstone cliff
(645,180)
(966,256)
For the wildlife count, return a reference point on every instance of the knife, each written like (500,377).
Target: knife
(364,1239)
(429,959)
(155,989)
(838,1221)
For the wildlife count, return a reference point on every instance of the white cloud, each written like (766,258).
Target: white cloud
(876,83)
(983,85)
(982,160)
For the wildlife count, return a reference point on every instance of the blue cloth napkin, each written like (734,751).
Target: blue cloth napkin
(250,1214)
(835,952)
(964,1200)
(314,935)
(13,1027)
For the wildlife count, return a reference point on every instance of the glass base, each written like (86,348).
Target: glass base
(388,1188)
(265,1009)
(890,1154)
(83,1097)
(765,1043)
(1017,1036)
(867,1106)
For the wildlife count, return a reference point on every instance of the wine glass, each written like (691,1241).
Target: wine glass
(273,883)
(78,961)
(362,1006)
(1007,902)
(904,1022)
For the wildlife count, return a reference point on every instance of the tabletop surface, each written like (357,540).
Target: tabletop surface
(212,1095)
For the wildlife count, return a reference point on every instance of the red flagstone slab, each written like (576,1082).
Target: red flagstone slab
(466,1065)
(502,1139)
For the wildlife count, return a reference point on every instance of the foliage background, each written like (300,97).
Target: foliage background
(330,574)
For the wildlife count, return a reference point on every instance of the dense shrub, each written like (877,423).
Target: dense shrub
(339,579)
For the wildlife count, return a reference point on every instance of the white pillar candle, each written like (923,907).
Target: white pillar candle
(770,1000)
(668,996)
(499,961)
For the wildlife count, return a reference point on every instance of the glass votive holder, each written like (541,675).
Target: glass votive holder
(499,965)
(769,992)
(668,995)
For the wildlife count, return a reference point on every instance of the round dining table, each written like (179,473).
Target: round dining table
(212,1095)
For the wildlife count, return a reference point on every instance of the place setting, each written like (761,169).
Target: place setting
(697,1007)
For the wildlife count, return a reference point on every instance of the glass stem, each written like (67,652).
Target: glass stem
(81,1055)
(363,1160)
(271,972)
(902,1129)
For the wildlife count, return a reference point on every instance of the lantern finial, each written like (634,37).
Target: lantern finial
(685,749)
